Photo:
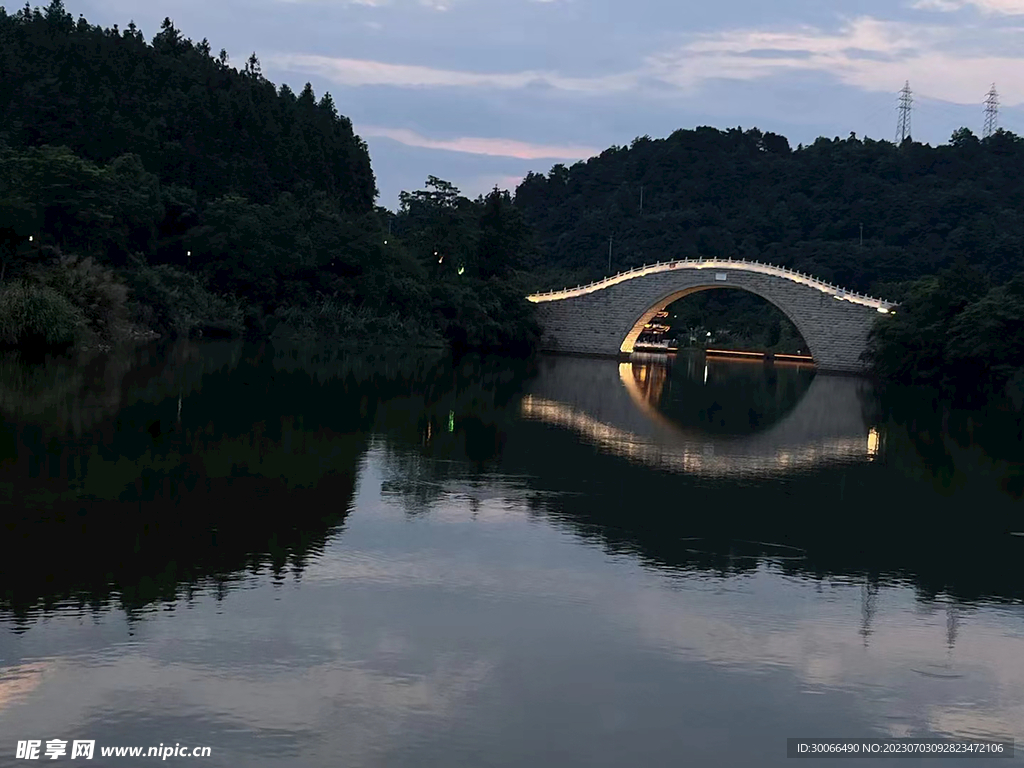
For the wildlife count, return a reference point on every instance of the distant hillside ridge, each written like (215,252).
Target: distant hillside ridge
(194,121)
(859,213)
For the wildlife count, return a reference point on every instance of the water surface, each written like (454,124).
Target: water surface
(301,557)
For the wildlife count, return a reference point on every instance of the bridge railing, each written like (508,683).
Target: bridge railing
(750,266)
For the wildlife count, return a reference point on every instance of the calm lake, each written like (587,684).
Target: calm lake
(304,557)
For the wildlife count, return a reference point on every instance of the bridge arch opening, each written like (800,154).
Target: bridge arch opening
(743,300)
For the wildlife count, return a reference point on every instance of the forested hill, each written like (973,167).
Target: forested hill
(747,194)
(153,187)
(194,121)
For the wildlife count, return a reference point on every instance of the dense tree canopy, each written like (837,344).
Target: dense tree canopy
(958,333)
(221,200)
(746,194)
(193,120)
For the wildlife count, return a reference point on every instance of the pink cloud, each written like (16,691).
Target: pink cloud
(478,146)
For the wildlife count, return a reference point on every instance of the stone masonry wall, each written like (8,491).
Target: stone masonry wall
(598,323)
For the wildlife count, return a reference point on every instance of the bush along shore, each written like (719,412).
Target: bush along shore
(54,302)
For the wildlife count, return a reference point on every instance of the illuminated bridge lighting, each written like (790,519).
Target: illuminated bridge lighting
(733,352)
(873,443)
(835,291)
(696,456)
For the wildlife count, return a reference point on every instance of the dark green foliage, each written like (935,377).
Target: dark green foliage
(54,195)
(94,290)
(226,204)
(194,121)
(348,325)
(36,316)
(986,339)
(439,226)
(485,314)
(956,335)
(472,252)
(504,237)
(171,301)
(744,194)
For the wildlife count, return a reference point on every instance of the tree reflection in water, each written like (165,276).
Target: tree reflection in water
(144,475)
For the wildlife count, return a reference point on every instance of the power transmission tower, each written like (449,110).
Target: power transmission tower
(903,123)
(991,112)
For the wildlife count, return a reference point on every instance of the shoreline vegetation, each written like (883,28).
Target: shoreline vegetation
(150,188)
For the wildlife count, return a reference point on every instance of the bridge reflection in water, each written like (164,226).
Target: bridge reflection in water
(619,408)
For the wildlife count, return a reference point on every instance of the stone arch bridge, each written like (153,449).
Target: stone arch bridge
(606,317)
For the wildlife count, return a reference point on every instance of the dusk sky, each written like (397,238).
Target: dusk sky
(478,92)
